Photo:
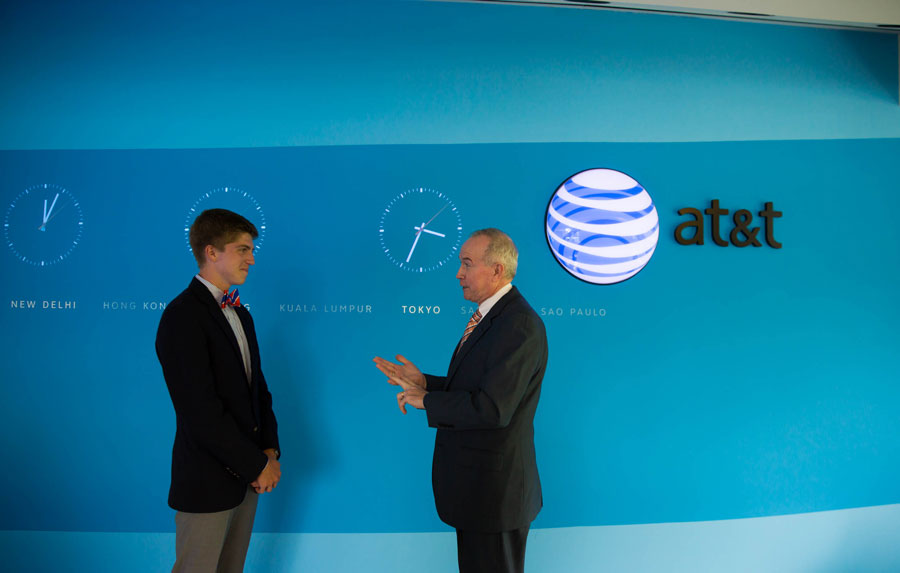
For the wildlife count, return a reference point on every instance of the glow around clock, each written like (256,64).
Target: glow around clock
(43,224)
(420,230)
(233,199)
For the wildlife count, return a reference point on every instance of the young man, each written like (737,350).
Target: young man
(226,440)
(484,474)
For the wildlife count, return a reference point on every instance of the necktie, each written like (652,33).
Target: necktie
(231,299)
(470,326)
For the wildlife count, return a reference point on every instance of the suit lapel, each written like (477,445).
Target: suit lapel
(473,339)
(201,292)
(483,326)
(244,316)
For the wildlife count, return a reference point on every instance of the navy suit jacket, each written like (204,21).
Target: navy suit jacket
(484,474)
(223,424)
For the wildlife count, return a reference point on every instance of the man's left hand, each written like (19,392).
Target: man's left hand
(264,483)
(412,395)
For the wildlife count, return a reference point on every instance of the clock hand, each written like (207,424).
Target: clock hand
(419,234)
(52,205)
(433,216)
(47,212)
(429,231)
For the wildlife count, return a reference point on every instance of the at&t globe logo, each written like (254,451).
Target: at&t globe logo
(602,226)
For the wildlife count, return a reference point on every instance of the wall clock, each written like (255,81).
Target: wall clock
(420,230)
(43,224)
(233,199)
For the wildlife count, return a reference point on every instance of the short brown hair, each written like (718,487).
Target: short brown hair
(217,227)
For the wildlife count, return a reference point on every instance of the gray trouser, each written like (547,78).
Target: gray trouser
(214,542)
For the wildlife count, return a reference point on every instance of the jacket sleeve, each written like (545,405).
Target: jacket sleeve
(182,348)
(434,383)
(266,416)
(268,423)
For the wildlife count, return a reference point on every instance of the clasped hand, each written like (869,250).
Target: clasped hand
(270,476)
(406,375)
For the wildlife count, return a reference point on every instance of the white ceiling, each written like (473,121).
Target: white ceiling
(868,14)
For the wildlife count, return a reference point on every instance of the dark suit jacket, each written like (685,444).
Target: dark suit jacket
(484,474)
(223,423)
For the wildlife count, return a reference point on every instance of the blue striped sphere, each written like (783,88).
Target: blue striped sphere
(602,226)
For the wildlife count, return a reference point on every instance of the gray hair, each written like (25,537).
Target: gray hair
(500,249)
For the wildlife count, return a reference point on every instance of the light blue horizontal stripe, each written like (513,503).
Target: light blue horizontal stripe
(597,239)
(593,192)
(599,216)
(864,539)
(514,74)
(588,259)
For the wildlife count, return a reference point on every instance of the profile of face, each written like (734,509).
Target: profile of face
(478,279)
(232,265)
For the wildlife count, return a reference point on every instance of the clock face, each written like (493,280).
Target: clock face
(420,230)
(43,224)
(233,199)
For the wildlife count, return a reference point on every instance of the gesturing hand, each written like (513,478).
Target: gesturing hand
(405,371)
(412,395)
(408,376)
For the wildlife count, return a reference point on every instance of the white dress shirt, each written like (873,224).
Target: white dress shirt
(235,322)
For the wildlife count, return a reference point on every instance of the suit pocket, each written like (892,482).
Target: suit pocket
(481,459)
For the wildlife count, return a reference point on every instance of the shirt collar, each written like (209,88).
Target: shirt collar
(486,306)
(216,291)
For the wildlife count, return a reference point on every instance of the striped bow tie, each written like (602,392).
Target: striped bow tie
(231,299)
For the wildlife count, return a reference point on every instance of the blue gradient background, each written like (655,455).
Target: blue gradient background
(722,384)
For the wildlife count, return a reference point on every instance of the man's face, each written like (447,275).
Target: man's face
(233,263)
(478,280)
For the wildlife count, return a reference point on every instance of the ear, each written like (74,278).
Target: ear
(499,271)
(210,252)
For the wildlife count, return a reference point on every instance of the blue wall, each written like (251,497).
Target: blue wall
(111,75)
(718,384)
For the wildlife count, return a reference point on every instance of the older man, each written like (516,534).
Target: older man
(484,473)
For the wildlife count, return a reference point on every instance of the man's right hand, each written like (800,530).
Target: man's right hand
(269,477)
(405,370)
